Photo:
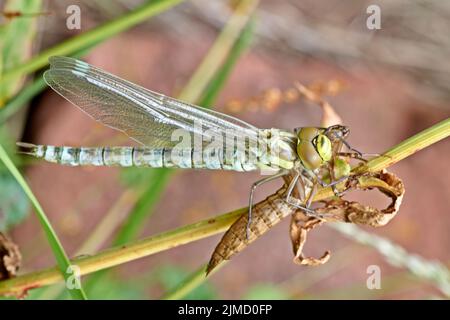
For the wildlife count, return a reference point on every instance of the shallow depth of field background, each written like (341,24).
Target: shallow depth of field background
(396,84)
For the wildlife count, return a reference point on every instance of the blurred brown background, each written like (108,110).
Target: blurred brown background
(396,83)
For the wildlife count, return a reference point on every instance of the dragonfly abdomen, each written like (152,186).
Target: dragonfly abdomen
(139,157)
(80,156)
(188,158)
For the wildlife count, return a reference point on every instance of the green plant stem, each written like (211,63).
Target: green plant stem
(31,90)
(399,152)
(222,75)
(219,51)
(58,251)
(409,146)
(90,37)
(21,99)
(124,253)
(147,199)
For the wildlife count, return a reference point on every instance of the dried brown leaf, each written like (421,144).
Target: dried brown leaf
(340,210)
(300,226)
(10,258)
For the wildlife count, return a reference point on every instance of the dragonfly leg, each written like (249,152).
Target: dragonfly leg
(325,184)
(294,182)
(336,192)
(341,137)
(354,155)
(308,211)
(351,148)
(311,195)
(306,208)
(252,191)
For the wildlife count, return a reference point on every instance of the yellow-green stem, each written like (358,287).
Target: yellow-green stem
(125,253)
(409,146)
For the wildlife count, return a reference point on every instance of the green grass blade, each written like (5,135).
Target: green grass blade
(143,207)
(58,251)
(22,98)
(191,282)
(219,52)
(16,38)
(31,90)
(410,146)
(151,8)
(223,74)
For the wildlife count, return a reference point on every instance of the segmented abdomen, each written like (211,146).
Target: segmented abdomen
(140,157)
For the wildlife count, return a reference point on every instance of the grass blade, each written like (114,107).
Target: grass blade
(224,72)
(22,98)
(58,251)
(410,146)
(84,40)
(143,207)
(126,253)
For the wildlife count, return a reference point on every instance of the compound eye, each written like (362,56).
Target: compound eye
(309,156)
(323,147)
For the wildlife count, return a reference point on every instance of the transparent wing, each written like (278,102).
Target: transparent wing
(146,116)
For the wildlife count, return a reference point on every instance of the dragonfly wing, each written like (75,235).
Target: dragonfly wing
(146,116)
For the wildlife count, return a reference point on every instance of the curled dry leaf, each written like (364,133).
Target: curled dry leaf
(300,226)
(10,258)
(354,212)
(340,210)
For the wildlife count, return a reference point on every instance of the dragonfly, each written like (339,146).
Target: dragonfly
(211,140)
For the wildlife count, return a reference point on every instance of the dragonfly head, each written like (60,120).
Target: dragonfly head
(314,147)
(337,132)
